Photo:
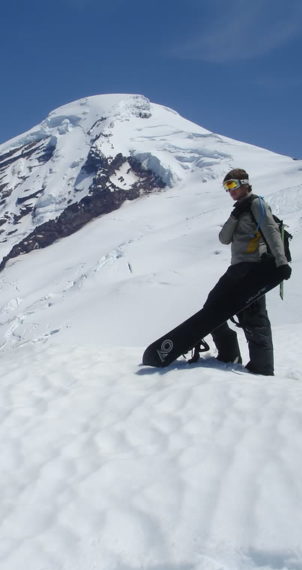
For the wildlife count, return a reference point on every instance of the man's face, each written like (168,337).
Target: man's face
(240,192)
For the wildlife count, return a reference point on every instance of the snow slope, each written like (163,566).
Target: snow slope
(107,465)
(125,278)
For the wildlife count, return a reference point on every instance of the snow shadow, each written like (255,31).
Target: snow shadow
(210,362)
(289,560)
(149,370)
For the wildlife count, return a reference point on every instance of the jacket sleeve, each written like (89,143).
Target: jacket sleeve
(269,229)
(227,230)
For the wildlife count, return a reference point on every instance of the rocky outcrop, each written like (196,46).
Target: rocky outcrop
(103,197)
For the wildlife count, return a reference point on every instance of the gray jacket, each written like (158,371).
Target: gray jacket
(247,242)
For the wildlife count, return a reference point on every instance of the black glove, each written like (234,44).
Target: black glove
(240,207)
(285,271)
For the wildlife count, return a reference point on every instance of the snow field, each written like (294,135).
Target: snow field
(109,465)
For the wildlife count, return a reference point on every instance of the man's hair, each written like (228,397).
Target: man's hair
(237,174)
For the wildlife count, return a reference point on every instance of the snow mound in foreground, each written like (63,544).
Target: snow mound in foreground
(112,466)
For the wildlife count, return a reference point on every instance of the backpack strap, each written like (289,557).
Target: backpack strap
(262,213)
(258,223)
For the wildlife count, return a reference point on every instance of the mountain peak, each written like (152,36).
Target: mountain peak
(86,158)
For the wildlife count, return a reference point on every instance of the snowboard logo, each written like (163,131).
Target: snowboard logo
(166,347)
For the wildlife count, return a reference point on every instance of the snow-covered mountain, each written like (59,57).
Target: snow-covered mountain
(89,157)
(105,464)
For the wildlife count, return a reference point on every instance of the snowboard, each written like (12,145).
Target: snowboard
(188,334)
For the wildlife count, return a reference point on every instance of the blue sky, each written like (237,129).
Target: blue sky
(232,66)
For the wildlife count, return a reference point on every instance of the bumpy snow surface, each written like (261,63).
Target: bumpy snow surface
(109,465)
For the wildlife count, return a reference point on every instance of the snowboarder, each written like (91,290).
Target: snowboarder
(258,264)
(255,238)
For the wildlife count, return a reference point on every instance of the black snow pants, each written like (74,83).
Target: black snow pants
(253,318)
(257,329)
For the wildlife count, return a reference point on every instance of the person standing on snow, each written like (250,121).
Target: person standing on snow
(249,248)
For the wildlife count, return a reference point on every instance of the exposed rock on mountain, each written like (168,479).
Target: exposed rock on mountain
(58,176)
(103,197)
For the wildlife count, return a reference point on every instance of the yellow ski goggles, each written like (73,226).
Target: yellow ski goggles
(233,184)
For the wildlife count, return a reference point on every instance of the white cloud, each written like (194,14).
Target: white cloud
(244,29)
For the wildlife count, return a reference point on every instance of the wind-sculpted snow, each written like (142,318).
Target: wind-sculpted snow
(153,163)
(108,465)
(63,123)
